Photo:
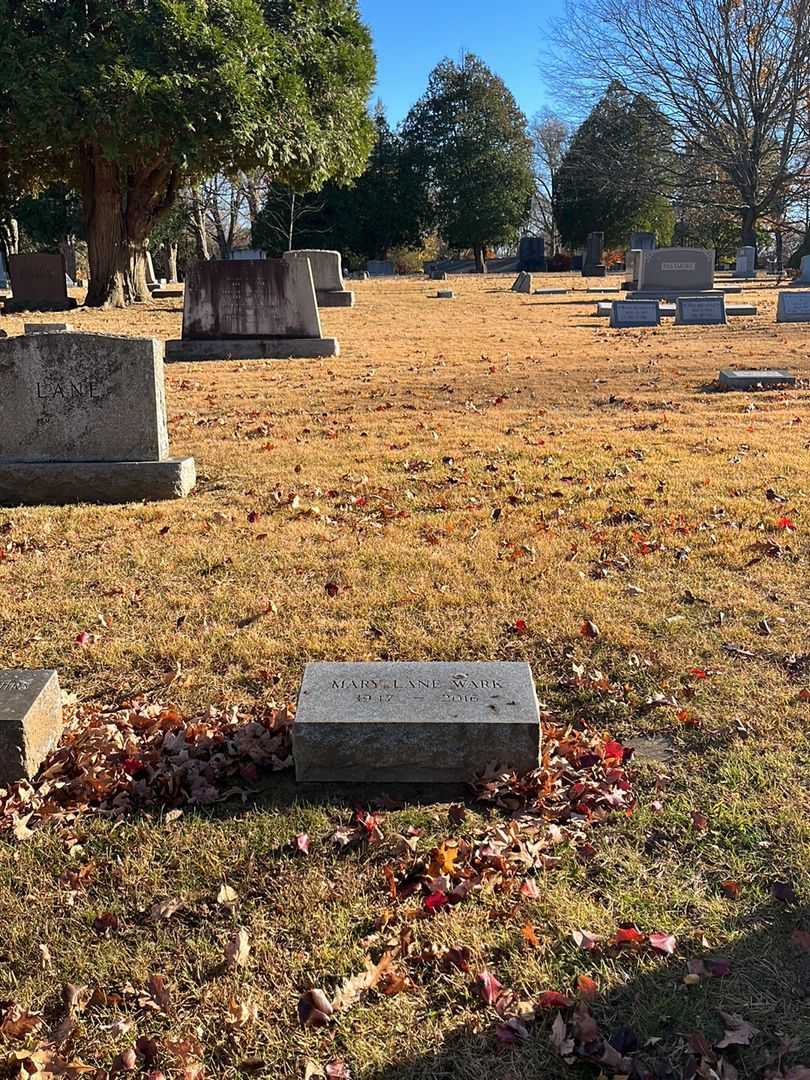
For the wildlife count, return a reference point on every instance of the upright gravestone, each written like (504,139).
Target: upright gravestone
(380,268)
(700,311)
(522,283)
(532,254)
(632,260)
(38,283)
(414,722)
(804,272)
(642,241)
(626,313)
(745,266)
(252,309)
(327,275)
(668,273)
(30,721)
(83,419)
(793,307)
(592,262)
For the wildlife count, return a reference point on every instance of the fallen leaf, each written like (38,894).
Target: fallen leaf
(553,999)
(314,1008)
(589,629)
(227,896)
(587,987)
(350,990)
(529,935)
(665,943)
(584,939)
(738,1031)
(488,987)
(238,949)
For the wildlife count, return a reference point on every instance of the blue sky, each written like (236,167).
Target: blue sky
(411,36)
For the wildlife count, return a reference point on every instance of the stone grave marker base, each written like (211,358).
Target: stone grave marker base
(335,297)
(58,482)
(30,721)
(408,722)
(735,379)
(250,349)
(13,307)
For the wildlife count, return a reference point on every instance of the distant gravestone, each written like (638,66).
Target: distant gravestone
(38,283)
(248,253)
(327,274)
(414,722)
(532,254)
(358,275)
(793,307)
(627,313)
(250,310)
(47,328)
(745,265)
(439,275)
(743,379)
(4,278)
(30,721)
(592,261)
(445,294)
(522,283)
(380,268)
(672,272)
(642,241)
(804,272)
(700,311)
(83,419)
(151,280)
(632,260)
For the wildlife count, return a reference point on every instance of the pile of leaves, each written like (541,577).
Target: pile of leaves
(148,757)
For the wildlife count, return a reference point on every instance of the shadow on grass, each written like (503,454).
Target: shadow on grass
(663,1028)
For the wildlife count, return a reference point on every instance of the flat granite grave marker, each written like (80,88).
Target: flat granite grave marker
(700,311)
(741,379)
(83,419)
(793,307)
(626,313)
(327,274)
(30,721)
(414,722)
(38,283)
(445,294)
(250,309)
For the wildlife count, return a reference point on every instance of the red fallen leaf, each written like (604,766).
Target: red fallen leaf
(488,987)
(589,629)
(302,843)
(253,516)
(83,639)
(698,673)
(627,935)
(584,939)
(131,766)
(802,939)
(314,1008)
(784,891)
(529,888)
(717,966)
(553,999)
(520,626)
(587,987)
(699,821)
(530,935)
(804,695)
(105,923)
(512,1031)
(458,956)
(786,523)
(332,588)
(731,889)
(435,901)
(665,943)
(614,751)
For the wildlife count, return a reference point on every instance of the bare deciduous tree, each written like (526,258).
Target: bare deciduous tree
(550,137)
(732,77)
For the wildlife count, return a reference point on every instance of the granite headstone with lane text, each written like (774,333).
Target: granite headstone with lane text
(410,722)
(38,283)
(250,309)
(30,721)
(667,273)
(83,419)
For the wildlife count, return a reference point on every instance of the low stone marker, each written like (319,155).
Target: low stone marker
(327,274)
(380,268)
(30,721)
(438,275)
(700,311)
(414,722)
(38,283)
(445,294)
(793,307)
(250,309)
(604,289)
(551,292)
(168,292)
(83,419)
(627,313)
(47,328)
(358,275)
(741,379)
(522,283)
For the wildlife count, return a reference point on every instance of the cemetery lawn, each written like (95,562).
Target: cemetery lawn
(500,476)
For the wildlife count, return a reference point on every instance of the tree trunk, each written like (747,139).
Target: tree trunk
(480,261)
(171,259)
(9,237)
(68,248)
(198,221)
(748,235)
(780,250)
(106,242)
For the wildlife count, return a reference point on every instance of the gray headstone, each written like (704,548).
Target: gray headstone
(741,379)
(673,271)
(79,410)
(700,311)
(746,264)
(327,275)
(38,283)
(592,260)
(626,313)
(793,307)
(250,309)
(414,722)
(30,721)
(445,294)
(643,241)
(522,283)
(804,272)
(380,268)
(532,254)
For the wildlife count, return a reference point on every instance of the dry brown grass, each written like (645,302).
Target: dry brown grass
(461,466)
